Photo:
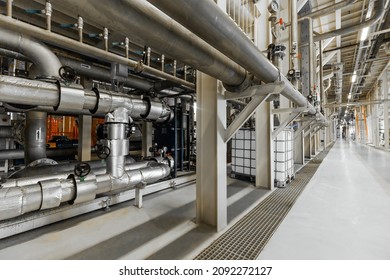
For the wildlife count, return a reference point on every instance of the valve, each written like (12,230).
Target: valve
(67,73)
(82,169)
(102,151)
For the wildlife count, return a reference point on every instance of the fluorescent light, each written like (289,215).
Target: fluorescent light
(364,35)
(349,96)
(353,77)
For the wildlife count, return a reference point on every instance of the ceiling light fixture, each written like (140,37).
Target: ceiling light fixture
(354,77)
(364,35)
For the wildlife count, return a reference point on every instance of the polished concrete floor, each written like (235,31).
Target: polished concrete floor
(344,211)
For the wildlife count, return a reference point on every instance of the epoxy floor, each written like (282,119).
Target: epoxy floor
(344,211)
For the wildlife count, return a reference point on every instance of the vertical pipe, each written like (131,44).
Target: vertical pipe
(322,97)
(9,8)
(188,136)
(294,38)
(162,62)
(149,51)
(127,43)
(183,105)
(174,67)
(80,26)
(175,130)
(185,72)
(105,37)
(35,136)
(48,12)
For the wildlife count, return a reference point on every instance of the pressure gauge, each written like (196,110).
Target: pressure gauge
(273,7)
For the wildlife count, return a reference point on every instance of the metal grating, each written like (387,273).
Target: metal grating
(247,238)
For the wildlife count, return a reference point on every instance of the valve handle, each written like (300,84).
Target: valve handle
(102,151)
(67,73)
(82,169)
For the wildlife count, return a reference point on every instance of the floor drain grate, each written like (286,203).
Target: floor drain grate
(247,238)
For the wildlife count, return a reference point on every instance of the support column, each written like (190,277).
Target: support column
(385,88)
(264,147)
(299,148)
(85,142)
(211,195)
(85,128)
(147,142)
(307,145)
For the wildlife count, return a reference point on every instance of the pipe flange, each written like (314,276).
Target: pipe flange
(248,81)
(51,193)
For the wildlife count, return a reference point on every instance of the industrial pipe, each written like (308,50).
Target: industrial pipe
(329,9)
(92,71)
(6,132)
(136,19)
(378,13)
(75,99)
(11,154)
(215,27)
(41,56)
(50,193)
(35,136)
(90,51)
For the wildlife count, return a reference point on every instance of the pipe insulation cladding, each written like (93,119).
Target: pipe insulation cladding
(50,193)
(75,99)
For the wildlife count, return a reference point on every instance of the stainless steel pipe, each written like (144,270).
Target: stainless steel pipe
(42,57)
(136,20)
(6,132)
(35,136)
(215,27)
(77,100)
(95,72)
(50,193)
(90,51)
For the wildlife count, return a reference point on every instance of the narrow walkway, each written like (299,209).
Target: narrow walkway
(344,211)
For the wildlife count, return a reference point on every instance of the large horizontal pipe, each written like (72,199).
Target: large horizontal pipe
(53,152)
(99,73)
(38,93)
(6,132)
(42,57)
(147,25)
(215,27)
(50,193)
(378,13)
(90,51)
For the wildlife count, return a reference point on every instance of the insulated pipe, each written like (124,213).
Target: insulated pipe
(77,100)
(378,13)
(66,170)
(35,136)
(102,74)
(90,51)
(294,38)
(329,9)
(6,132)
(215,27)
(136,19)
(41,56)
(19,153)
(50,193)
(12,54)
